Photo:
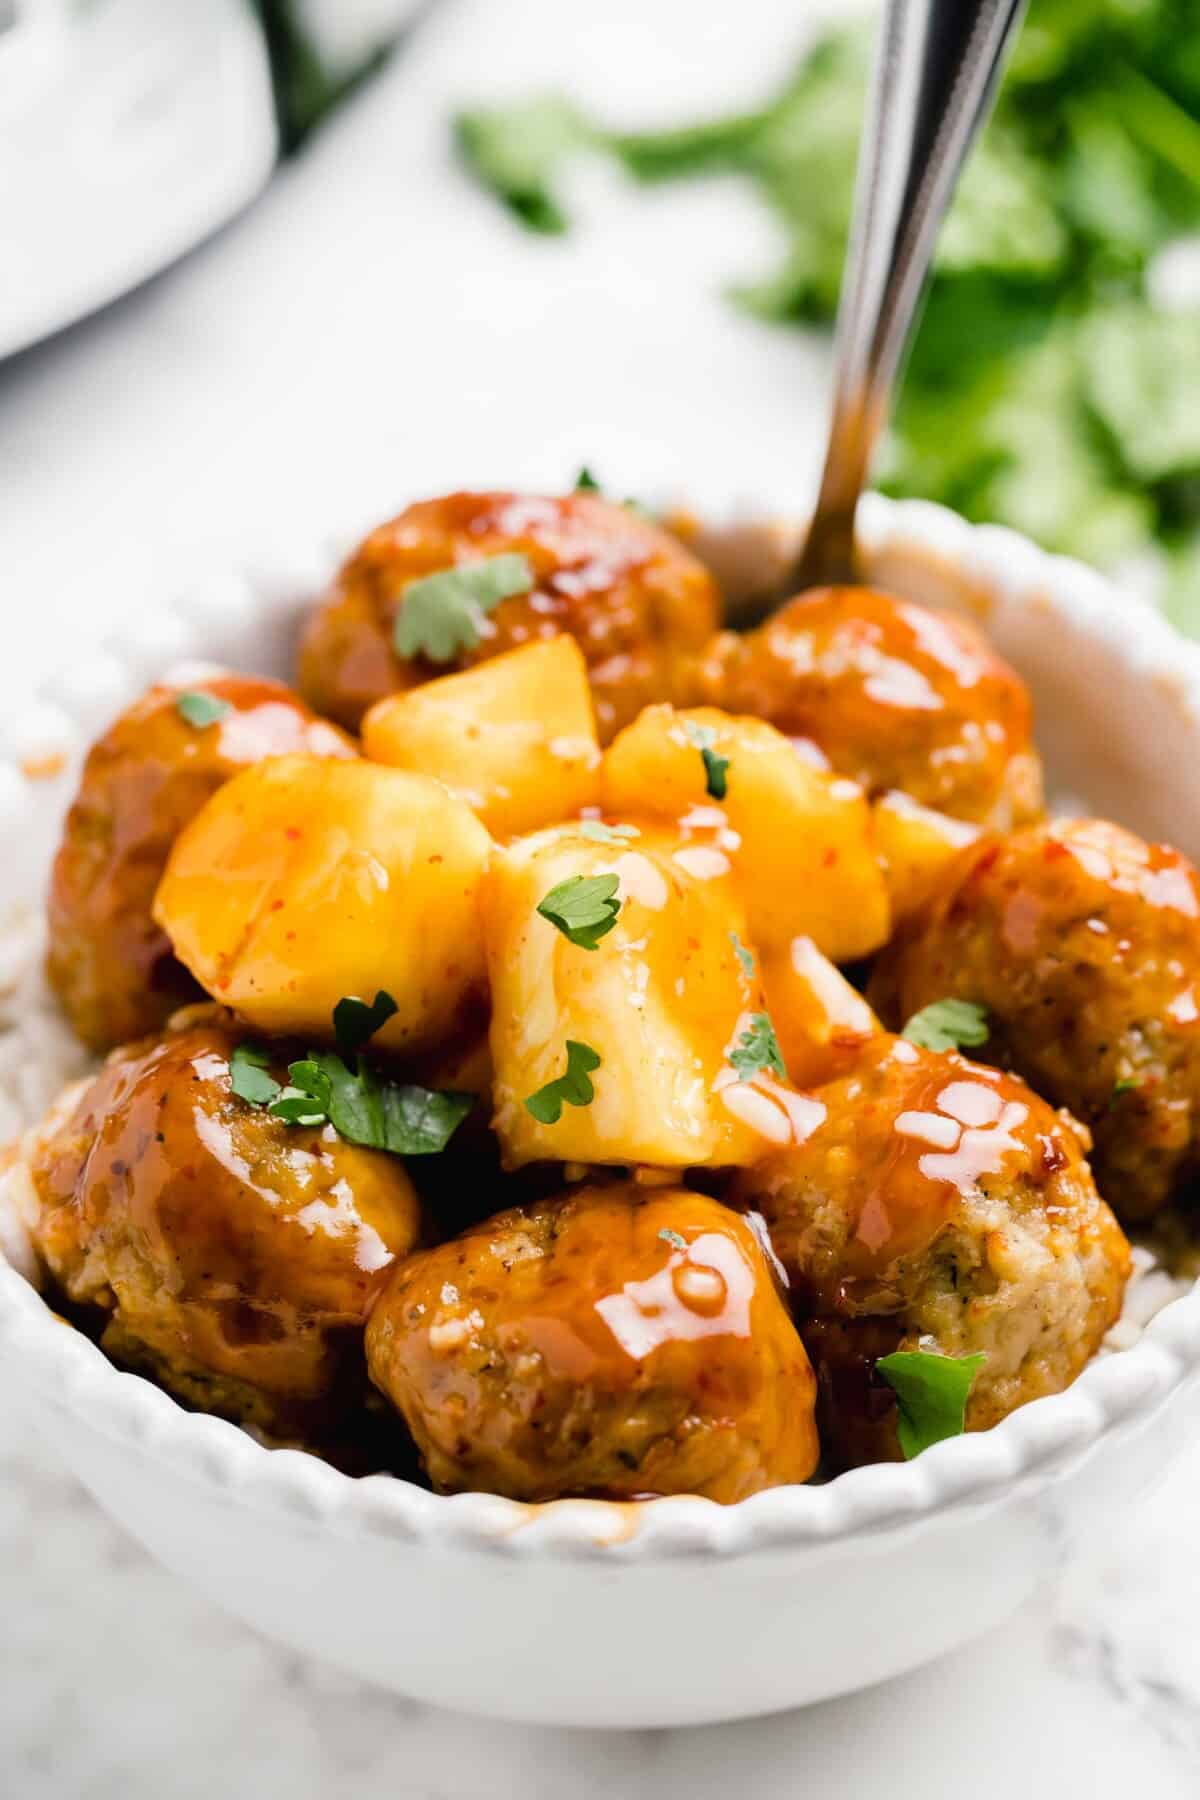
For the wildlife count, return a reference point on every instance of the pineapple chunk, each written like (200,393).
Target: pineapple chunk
(799,838)
(915,846)
(663,1001)
(514,737)
(305,879)
(821,1021)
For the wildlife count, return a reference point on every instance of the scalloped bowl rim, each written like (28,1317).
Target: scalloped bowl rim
(1029,1448)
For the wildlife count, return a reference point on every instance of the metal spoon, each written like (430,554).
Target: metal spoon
(936,71)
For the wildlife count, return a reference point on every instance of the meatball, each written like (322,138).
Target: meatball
(616,1341)
(633,598)
(109,963)
(231,1256)
(938,1206)
(1084,944)
(895,695)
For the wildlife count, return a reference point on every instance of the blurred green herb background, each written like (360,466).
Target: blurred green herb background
(1045,389)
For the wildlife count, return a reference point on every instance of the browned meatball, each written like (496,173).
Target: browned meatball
(236,1257)
(938,1206)
(895,695)
(613,1341)
(633,598)
(143,781)
(1084,944)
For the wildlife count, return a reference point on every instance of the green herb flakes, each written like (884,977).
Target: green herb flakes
(200,709)
(758,1049)
(948,1025)
(354,1022)
(704,737)
(931,1395)
(442,615)
(583,907)
(572,1089)
(744,956)
(248,1074)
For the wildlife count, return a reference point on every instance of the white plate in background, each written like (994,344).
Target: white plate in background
(129,130)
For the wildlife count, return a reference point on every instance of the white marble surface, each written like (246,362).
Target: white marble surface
(370,330)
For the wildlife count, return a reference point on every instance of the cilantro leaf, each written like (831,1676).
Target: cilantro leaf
(931,1395)
(606,834)
(362,1106)
(586,483)
(758,1049)
(583,907)
(306,1100)
(517,152)
(421,1121)
(354,1021)
(366,1109)
(200,709)
(704,737)
(295,1107)
(572,1089)
(744,956)
(443,614)
(714,770)
(674,1238)
(948,1025)
(248,1076)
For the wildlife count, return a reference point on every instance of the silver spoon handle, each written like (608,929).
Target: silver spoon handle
(936,71)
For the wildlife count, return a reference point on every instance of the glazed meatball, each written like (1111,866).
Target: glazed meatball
(1084,944)
(231,1256)
(143,781)
(895,695)
(633,598)
(938,1206)
(611,1341)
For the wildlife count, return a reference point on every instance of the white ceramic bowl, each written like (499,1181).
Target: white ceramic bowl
(677,1611)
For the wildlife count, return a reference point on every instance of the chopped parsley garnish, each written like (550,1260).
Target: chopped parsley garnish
(362,1106)
(443,614)
(586,483)
(572,1089)
(365,1108)
(583,907)
(758,1049)
(1126,1085)
(674,1238)
(948,1025)
(200,709)
(306,1100)
(516,152)
(931,1395)
(354,1021)
(744,956)
(607,834)
(704,737)
(248,1074)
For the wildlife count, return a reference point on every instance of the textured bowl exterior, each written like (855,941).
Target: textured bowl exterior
(677,1611)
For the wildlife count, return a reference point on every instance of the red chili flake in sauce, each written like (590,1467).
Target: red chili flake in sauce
(293,832)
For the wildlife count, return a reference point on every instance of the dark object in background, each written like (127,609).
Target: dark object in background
(307,86)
